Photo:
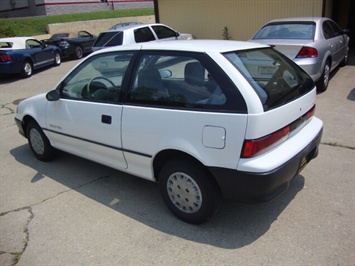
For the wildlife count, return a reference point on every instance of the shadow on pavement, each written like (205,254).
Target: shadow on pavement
(235,226)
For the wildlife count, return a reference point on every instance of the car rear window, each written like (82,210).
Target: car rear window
(291,30)
(6,44)
(113,38)
(275,78)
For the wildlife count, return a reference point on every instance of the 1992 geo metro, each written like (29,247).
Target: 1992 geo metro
(205,119)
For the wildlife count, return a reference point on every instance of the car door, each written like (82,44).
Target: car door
(86,120)
(87,40)
(333,42)
(340,41)
(40,55)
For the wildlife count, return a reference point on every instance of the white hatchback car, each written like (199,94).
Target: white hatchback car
(204,119)
(131,33)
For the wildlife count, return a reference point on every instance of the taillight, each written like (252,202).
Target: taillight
(5,58)
(310,113)
(256,146)
(307,52)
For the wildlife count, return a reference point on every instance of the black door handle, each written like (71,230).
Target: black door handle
(106,119)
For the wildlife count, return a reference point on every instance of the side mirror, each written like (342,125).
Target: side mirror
(164,73)
(177,34)
(53,96)
(345,31)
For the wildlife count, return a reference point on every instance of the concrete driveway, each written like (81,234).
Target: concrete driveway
(74,212)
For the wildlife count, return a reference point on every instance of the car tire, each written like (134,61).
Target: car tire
(345,59)
(189,191)
(323,82)
(27,69)
(78,52)
(57,59)
(39,143)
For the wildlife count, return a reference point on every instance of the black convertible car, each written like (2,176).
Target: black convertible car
(74,44)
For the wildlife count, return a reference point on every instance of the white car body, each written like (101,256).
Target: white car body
(137,136)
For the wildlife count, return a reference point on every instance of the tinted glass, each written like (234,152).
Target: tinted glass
(143,35)
(287,31)
(274,77)
(183,80)
(328,30)
(109,39)
(163,32)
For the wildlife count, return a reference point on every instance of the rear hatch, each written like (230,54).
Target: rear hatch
(287,95)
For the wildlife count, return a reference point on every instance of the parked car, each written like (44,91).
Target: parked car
(23,55)
(205,119)
(137,33)
(318,45)
(74,44)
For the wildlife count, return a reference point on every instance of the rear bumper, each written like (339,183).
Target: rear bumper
(260,187)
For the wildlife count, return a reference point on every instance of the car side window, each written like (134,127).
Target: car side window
(336,29)
(328,31)
(163,32)
(182,80)
(30,44)
(83,34)
(99,79)
(143,35)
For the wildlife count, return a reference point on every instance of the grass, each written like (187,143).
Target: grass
(30,26)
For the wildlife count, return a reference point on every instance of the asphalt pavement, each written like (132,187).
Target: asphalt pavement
(75,212)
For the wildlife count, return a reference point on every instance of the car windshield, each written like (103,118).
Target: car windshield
(275,78)
(113,38)
(292,30)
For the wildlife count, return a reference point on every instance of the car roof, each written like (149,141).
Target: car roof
(17,42)
(219,46)
(135,26)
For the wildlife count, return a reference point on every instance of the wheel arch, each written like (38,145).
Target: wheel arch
(166,155)
(25,121)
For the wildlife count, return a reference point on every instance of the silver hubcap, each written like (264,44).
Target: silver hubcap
(79,52)
(326,75)
(28,69)
(57,59)
(36,141)
(184,192)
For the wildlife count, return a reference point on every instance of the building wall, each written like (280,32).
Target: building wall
(23,8)
(207,18)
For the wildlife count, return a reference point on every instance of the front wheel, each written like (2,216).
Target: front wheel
(39,143)
(322,83)
(189,191)
(78,52)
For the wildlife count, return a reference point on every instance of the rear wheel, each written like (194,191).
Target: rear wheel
(57,59)
(346,58)
(189,191)
(27,69)
(322,83)
(78,52)
(39,143)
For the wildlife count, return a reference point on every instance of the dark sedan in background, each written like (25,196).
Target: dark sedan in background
(22,55)
(73,44)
